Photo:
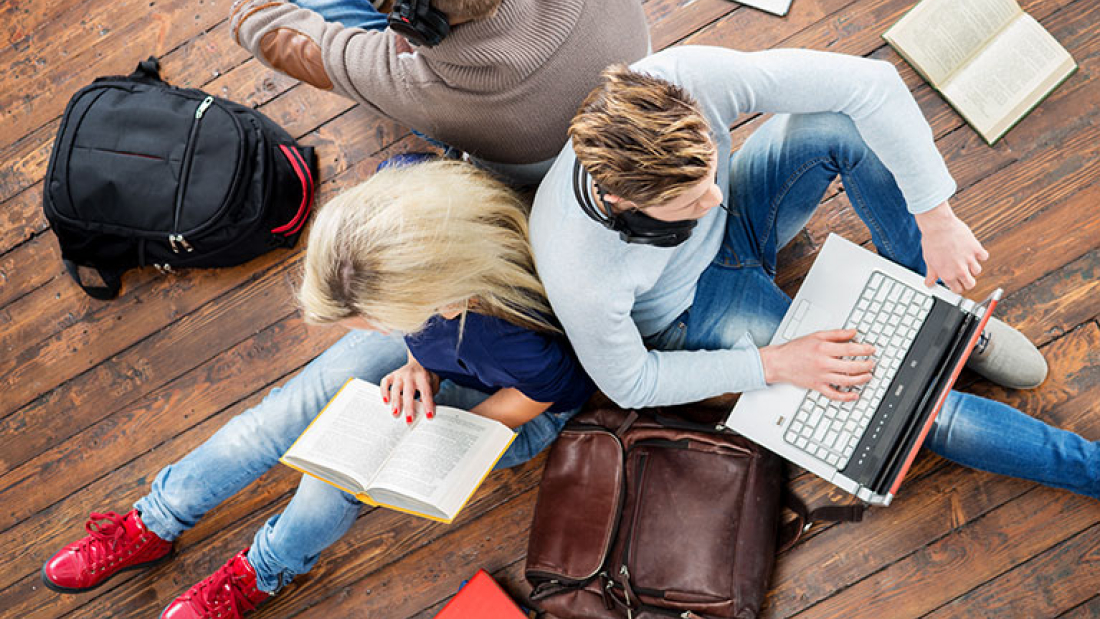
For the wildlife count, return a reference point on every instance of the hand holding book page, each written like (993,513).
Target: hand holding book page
(991,61)
(429,468)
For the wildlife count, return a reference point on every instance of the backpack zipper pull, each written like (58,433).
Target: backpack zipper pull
(202,106)
(172,243)
(183,243)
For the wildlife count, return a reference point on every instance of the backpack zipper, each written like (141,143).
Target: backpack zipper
(176,240)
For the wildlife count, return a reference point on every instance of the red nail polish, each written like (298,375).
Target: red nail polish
(386,399)
(408,418)
(431,414)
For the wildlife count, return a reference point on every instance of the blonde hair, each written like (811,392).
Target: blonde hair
(641,138)
(413,240)
(462,10)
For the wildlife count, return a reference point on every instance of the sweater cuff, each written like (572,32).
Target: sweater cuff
(748,375)
(945,189)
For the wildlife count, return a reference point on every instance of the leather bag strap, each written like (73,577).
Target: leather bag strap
(792,531)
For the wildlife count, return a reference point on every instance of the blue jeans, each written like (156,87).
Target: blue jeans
(777,180)
(252,442)
(351,13)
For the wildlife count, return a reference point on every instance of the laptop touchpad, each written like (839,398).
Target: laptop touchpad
(807,318)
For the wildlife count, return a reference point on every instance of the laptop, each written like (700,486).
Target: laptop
(922,338)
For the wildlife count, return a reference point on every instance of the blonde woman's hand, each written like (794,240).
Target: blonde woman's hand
(400,388)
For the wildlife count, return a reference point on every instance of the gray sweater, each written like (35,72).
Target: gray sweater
(609,294)
(502,89)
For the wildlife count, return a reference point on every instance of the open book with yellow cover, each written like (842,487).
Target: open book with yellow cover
(430,468)
(991,61)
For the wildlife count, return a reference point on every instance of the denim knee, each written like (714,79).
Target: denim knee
(835,134)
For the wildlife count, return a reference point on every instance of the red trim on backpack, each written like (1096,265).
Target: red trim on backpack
(305,177)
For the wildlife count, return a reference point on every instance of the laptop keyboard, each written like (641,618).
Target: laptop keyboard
(888,316)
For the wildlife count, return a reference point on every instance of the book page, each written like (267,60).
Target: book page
(354,435)
(777,7)
(940,36)
(1009,77)
(443,460)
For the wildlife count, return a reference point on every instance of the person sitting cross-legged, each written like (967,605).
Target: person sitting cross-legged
(497,79)
(669,299)
(430,268)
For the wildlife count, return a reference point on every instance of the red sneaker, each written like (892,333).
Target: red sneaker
(114,543)
(229,592)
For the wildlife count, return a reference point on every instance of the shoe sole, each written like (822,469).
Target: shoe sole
(59,589)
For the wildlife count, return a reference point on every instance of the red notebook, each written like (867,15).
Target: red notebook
(481,598)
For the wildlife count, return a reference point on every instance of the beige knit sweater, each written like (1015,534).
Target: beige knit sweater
(502,89)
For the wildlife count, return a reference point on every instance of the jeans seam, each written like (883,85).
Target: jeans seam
(773,208)
(860,204)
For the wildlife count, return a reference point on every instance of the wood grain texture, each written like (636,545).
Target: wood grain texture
(95,398)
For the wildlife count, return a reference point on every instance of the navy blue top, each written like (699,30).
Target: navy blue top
(496,354)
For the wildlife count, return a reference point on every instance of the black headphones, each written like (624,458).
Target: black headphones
(633,225)
(419,22)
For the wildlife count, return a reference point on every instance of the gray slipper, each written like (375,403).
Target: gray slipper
(1006,357)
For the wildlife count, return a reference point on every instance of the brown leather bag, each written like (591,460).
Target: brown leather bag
(644,516)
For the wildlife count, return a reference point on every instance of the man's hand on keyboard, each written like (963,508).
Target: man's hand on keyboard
(825,361)
(951,251)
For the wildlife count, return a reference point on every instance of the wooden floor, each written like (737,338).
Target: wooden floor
(97,397)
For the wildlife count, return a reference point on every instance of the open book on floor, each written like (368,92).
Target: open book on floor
(777,7)
(992,61)
(428,469)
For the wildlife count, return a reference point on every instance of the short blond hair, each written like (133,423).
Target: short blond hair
(462,10)
(411,241)
(641,138)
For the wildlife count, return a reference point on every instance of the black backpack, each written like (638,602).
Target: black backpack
(144,173)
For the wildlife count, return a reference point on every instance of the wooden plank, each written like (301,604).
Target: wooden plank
(21,272)
(1001,187)
(1057,302)
(671,20)
(101,334)
(976,552)
(1089,609)
(103,39)
(21,217)
(143,425)
(404,586)
(1045,586)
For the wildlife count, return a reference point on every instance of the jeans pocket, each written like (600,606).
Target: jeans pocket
(671,337)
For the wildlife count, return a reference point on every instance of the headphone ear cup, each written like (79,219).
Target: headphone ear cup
(419,22)
(435,23)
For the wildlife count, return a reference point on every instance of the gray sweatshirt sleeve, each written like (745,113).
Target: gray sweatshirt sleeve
(729,83)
